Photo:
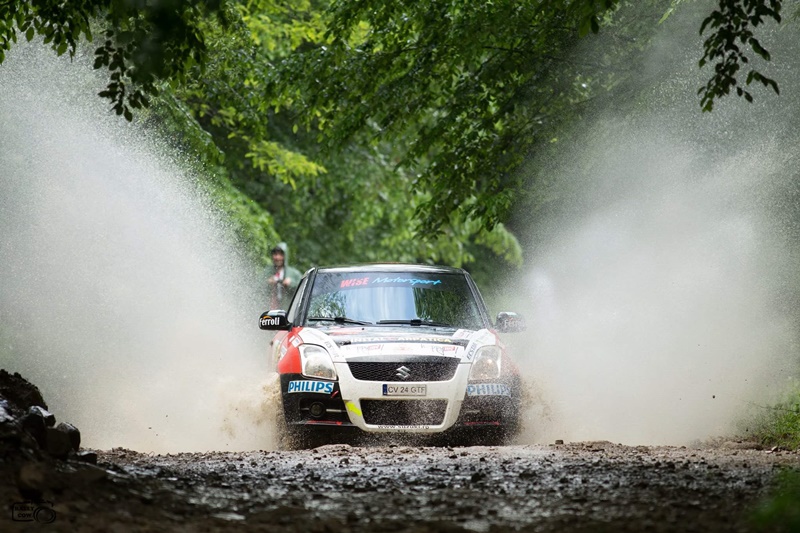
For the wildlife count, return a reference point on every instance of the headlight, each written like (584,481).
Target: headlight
(486,364)
(316,362)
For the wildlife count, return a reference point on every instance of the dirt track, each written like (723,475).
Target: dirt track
(575,487)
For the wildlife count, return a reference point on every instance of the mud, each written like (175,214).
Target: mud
(596,486)
(574,487)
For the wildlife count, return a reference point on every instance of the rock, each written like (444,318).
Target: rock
(48,417)
(86,475)
(87,457)
(59,443)
(20,394)
(73,433)
(36,426)
(5,412)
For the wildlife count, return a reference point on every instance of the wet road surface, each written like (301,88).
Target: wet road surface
(596,486)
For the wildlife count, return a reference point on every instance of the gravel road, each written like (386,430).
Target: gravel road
(578,487)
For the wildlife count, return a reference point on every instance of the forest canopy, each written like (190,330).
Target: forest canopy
(372,130)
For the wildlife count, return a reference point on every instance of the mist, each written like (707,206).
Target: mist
(123,295)
(661,287)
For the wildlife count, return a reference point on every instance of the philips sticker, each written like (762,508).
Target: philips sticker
(321,387)
(488,389)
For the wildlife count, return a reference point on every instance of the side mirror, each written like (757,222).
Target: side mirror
(274,320)
(509,322)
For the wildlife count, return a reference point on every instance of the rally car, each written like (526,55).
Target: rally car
(393,350)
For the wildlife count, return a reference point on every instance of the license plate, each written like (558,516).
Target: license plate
(405,390)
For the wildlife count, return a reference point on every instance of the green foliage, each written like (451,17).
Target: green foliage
(352,205)
(252,223)
(780,512)
(278,27)
(450,96)
(734,21)
(458,84)
(779,425)
(417,114)
(144,42)
(465,91)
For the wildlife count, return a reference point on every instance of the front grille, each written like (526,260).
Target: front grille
(429,369)
(404,412)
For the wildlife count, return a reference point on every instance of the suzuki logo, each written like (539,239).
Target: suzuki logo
(403,372)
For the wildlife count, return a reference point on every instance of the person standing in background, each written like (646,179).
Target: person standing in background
(282,278)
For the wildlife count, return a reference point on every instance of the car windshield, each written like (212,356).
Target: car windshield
(393,298)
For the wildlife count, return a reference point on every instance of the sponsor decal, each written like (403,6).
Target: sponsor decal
(410,281)
(472,350)
(270,321)
(407,348)
(370,348)
(352,408)
(421,340)
(445,349)
(488,389)
(354,282)
(322,387)
(394,426)
(296,341)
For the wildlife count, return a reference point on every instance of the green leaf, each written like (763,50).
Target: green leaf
(29,34)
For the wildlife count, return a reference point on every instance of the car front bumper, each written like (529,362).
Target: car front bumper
(365,405)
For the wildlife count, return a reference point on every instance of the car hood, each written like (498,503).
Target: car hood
(348,336)
(398,342)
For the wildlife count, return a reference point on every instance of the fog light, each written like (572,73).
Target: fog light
(317,410)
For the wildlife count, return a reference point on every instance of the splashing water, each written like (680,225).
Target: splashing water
(123,295)
(661,298)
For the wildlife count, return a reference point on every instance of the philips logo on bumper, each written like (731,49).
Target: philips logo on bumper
(488,389)
(322,387)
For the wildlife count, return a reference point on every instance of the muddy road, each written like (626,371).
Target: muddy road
(596,486)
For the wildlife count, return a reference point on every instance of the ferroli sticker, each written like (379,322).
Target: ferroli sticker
(270,321)
(321,387)
(488,389)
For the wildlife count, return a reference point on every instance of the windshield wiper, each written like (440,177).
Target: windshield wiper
(416,322)
(340,320)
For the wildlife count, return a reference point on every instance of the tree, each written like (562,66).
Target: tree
(472,88)
(432,103)
(144,42)
(733,21)
(467,87)
(352,204)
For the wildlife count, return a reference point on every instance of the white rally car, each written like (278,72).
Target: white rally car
(408,350)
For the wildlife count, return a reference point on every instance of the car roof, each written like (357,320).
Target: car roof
(392,267)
